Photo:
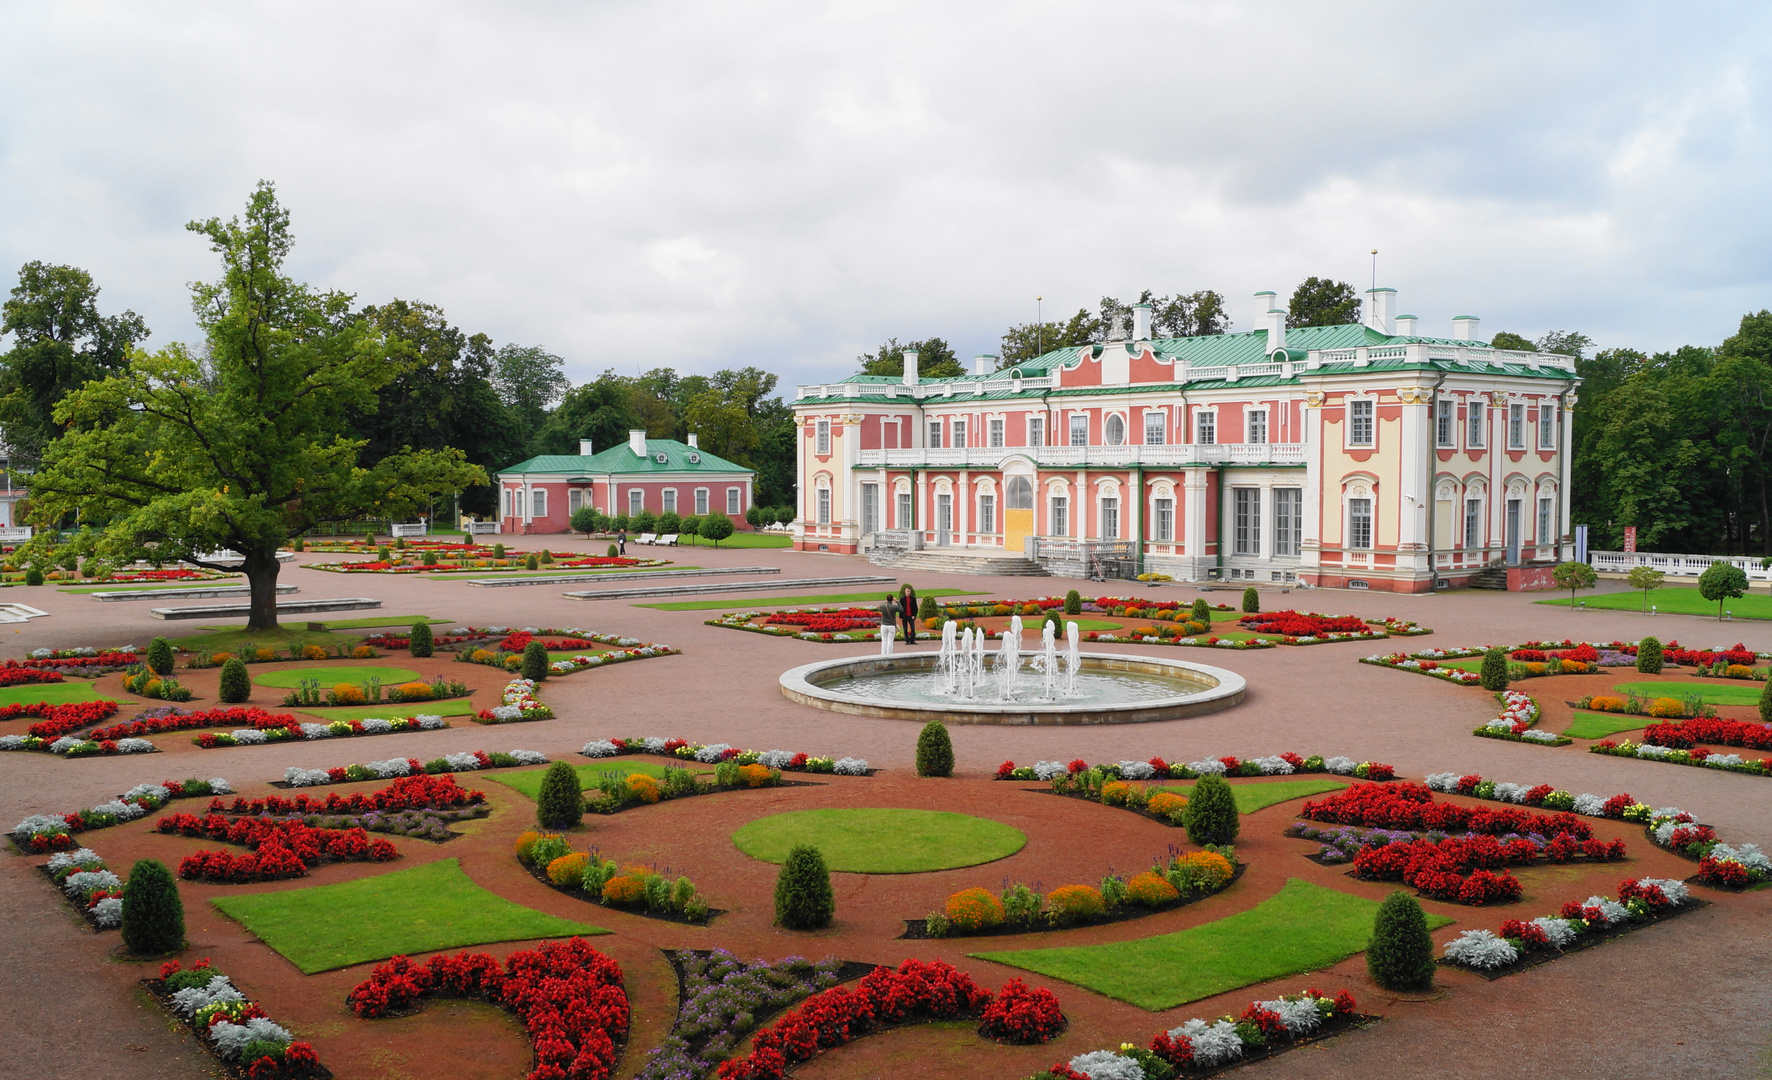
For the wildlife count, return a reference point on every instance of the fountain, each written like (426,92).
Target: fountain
(962,683)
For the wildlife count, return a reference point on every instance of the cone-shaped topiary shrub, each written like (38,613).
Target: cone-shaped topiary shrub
(160,656)
(927,609)
(535,661)
(33,576)
(421,643)
(935,751)
(153,915)
(1766,702)
(1494,671)
(1400,955)
(1073,603)
(498,551)
(1251,600)
(1650,656)
(612,552)
(560,802)
(1211,815)
(236,685)
(532,563)
(803,896)
(1201,612)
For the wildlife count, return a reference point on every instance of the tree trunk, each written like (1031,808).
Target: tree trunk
(261,568)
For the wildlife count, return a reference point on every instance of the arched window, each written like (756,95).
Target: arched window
(1020,494)
(1115,430)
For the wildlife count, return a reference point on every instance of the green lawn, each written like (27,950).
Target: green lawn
(866,599)
(63,693)
(1253,796)
(1301,928)
(1675,600)
(456,707)
(490,571)
(408,911)
(1714,691)
(291,677)
(148,586)
(876,840)
(736,540)
(234,640)
(528,781)
(552,656)
(1587,725)
(384,620)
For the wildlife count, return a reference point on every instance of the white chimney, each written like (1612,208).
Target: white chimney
(983,365)
(1141,322)
(584,448)
(1381,305)
(1464,327)
(910,367)
(1406,325)
(693,445)
(637,443)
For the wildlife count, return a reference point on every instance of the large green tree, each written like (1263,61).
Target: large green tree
(241,443)
(1323,302)
(529,380)
(935,359)
(600,410)
(59,343)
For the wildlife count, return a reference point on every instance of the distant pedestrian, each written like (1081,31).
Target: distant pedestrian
(621,541)
(889,611)
(907,599)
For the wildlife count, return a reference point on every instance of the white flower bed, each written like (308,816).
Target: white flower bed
(387,770)
(850,766)
(1046,770)
(775,759)
(600,748)
(231,1039)
(1209,767)
(1341,766)
(712,754)
(1214,1043)
(1138,770)
(295,777)
(1482,949)
(1274,765)
(1107,1065)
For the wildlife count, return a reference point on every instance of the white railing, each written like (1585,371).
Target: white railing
(481,528)
(1620,562)
(1082,457)
(15,534)
(417,529)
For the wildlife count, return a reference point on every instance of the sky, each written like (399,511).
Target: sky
(711,185)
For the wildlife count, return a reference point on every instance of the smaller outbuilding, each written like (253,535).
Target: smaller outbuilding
(656,476)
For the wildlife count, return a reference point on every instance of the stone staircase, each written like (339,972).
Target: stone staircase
(934,561)
(1491,577)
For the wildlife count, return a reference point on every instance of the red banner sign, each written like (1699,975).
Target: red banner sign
(1630,539)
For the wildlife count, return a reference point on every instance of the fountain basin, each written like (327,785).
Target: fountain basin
(877,686)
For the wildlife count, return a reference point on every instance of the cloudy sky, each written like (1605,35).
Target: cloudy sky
(702,185)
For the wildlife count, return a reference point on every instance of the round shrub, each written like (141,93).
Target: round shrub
(642,787)
(803,896)
(363,652)
(415,691)
(343,694)
(160,656)
(1650,656)
(1201,872)
(1766,702)
(1165,804)
(1494,670)
(560,802)
(624,889)
(1150,890)
(428,558)
(568,870)
(935,751)
(236,685)
(1073,603)
(498,551)
(1068,905)
(153,915)
(526,842)
(1251,600)
(33,576)
(972,910)
(532,563)
(535,661)
(313,652)
(612,552)
(1400,955)
(927,609)
(421,643)
(1200,612)
(1211,815)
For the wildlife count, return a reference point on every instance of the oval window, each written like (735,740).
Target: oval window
(1115,430)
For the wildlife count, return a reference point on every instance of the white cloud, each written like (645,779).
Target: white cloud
(703,184)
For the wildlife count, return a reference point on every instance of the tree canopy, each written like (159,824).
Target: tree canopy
(1195,314)
(1322,302)
(935,359)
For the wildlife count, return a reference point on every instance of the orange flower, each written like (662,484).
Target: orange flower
(1666,708)
(754,775)
(643,787)
(624,890)
(1069,904)
(974,909)
(1165,803)
(1150,890)
(568,870)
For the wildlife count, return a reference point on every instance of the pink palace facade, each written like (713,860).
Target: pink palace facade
(1356,456)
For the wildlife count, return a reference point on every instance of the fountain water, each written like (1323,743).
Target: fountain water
(1071,659)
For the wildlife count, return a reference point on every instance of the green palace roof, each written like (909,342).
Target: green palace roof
(678,458)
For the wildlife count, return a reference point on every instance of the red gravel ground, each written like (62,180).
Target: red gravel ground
(1689,997)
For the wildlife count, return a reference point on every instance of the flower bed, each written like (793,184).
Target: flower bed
(1308,625)
(280,849)
(45,832)
(1720,865)
(616,792)
(95,892)
(721,999)
(715,753)
(416,805)
(513,560)
(1411,806)
(1579,924)
(59,720)
(1158,769)
(517,704)
(83,661)
(640,890)
(72,746)
(826,619)
(1460,869)
(1519,716)
(233,1028)
(1429,663)
(567,995)
(507,652)
(1021,910)
(466,761)
(1697,755)
(1200,1047)
(162,719)
(885,998)
(256,736)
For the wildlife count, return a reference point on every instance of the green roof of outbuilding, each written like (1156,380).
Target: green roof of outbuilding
(622,459)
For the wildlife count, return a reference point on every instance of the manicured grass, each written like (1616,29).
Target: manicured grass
(552,656)
(736,540)
(408,911)
(1252,796)
(235,640)
(63,693)
(877,840)
(867,599)
(385,620)
(528,781)
(1674,600)
(1587,725)
(148,586)
(291,677)
(560,571)
(1714,691)
(1301,928)
(456,707)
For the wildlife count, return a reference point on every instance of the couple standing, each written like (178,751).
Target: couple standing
(901,609)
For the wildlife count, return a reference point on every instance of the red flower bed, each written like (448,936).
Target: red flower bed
(520,639)
(55,663)
(1178,1050)
(281,849)
(238,716)
(886,997)
(59,720)
(1301,624)
(405,793)
(1735,654)
(13,673)
(1686,734)
(568,995)
(159,575)
(1412,806)
(828,622)
(1021,1015)
(1722,872)
(1460,869)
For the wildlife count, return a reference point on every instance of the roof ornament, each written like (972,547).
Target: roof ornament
(1117,330)
(662,458)
(694,459)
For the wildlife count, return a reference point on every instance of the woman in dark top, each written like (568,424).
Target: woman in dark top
(907,598)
